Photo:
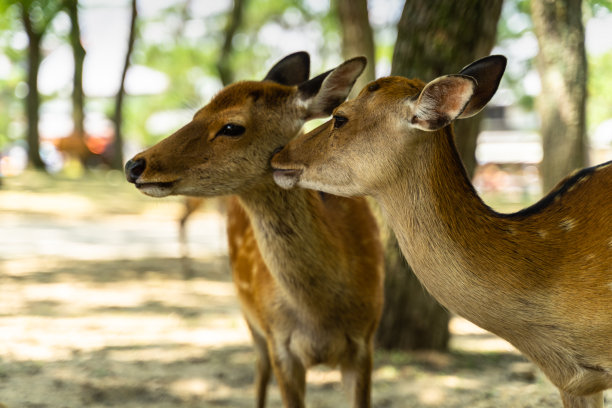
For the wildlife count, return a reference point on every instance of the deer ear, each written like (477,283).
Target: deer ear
(487,72)
(291,70)
(323,93)
(442,101)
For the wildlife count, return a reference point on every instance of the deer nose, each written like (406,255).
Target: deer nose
(134,168)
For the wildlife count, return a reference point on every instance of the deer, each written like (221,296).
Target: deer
(307,266)
(541,278)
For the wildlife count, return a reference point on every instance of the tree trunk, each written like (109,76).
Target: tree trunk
(117,159)
(33,98)
(562,65)
(438,37)
(223,64)
(357,38)
(78,101)
(435,38)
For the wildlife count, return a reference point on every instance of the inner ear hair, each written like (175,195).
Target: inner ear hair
(309,88)
(442,101)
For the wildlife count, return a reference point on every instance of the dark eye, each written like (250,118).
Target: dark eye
(339,121)
(231,130)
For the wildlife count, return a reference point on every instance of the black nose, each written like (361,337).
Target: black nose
(134,168)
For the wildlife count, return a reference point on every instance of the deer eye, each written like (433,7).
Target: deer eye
(339,121)
(231,129)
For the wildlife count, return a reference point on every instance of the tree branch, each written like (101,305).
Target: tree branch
(235,20)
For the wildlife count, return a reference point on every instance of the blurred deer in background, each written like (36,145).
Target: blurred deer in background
(190,206)
(307,266)
(540,278)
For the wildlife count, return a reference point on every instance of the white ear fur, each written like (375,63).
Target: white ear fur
(442,101)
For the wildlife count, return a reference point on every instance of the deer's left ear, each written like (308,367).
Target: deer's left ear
(442,101)
(323,93)
(291,70)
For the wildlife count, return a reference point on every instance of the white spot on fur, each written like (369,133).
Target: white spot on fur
(238,241)
(243,285)
(567,224)
(542,233)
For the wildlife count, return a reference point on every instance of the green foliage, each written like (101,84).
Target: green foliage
(514,26)
(40,13)
(593,8)
(184,44)
(516,23)
(599,103)
(189,61)
(11,58)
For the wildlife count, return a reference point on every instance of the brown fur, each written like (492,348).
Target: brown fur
(307,266)
(540,278)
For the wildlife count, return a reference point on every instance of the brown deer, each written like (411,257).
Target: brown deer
(307,266)
(540,278)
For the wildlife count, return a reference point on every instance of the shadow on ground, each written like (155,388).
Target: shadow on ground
(132,333)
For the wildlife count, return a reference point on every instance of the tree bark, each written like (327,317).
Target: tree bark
(562,65)
(32,100)
(78,99)
(435,37)
(117,159)
(439,37)
(357,38)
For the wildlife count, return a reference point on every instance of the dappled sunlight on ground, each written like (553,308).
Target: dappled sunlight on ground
(94,312)
(125,333)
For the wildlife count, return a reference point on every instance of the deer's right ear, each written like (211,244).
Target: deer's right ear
(323,93)
(292,70)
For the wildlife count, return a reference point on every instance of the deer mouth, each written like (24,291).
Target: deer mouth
(286,173)
(157,189)
(287,178)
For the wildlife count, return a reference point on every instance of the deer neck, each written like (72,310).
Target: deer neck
(292,233)
(452,240)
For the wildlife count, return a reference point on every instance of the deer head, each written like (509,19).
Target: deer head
(377,135)
(226,148)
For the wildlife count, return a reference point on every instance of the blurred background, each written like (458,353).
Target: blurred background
(108,297)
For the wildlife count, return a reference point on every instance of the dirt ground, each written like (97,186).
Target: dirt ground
(94,312)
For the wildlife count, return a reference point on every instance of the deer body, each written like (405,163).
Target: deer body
(311,319)
(540,278)
(307,266)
